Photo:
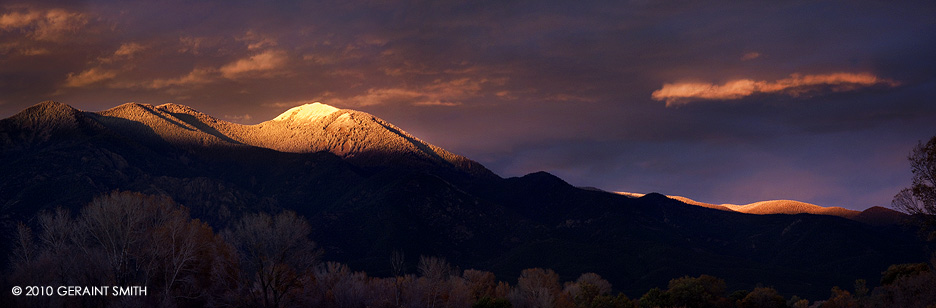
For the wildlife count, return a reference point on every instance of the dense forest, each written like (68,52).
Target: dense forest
(268,260)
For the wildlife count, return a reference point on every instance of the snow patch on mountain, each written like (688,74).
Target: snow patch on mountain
(307,112)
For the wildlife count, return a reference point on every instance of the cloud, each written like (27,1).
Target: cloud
(377,96)
(263,62)
(196,45)
(796,85)
(256,41)
(197,76)
(35,51)
(289,104)
(125,51)
(17,19)
(750,56)
(49,25)
(128,50)
(90,76)
(238,118)
(448,93)
(437,103)
(563,97)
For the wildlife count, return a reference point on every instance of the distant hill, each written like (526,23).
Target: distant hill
(369,188)
(874,215)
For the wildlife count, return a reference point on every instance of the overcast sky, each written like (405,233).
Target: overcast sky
(731,102)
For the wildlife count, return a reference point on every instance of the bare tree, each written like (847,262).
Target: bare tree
(480,284)
(536,288)
(434,268)
(397,265)
(117,224)
(600,285)
(58,230)
(435,273)
(24,251)
(125,238)
(920,198)
(275,253)
(175,245)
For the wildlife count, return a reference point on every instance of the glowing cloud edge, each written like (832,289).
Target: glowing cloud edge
(675,94)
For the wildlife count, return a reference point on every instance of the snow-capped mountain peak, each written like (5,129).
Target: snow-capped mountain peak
(307,112)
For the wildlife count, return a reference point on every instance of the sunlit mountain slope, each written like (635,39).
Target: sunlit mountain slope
(873,215)
(359,137)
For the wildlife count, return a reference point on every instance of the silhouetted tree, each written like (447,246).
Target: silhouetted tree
(434,268)
(397,263)
(797,302)
(702,291)
(592,291)
(481,284)
(840,299)
(914,289)
(655,298)
(487,302)
(763,298)
(599,286)
(276,254)
(738,295)
(435,273)
(536,288)
(342,288)
(24,252)
(897,271)
(398,268)
(920,197)
(123,238)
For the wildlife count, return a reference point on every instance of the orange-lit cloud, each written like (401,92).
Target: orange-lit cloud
(238,118)
(196,45)
(88,77)
(195,77)
(259,65)
(438,93)
(437,103)
(289,104)
(256,41)
(796,85)
(35,51)
(18,19)
(128,49)
(263,62)
(50,25)
(376,96)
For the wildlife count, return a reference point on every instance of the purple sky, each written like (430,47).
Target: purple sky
(725,103)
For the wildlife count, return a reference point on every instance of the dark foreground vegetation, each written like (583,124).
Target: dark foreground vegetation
(262,260)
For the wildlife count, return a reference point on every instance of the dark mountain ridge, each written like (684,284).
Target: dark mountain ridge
(365,201)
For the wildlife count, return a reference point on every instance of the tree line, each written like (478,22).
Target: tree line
(263,260)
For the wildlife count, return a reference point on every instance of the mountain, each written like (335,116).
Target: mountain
(875,215)
(368,188)
(881,216)
(356,136)
(791,207)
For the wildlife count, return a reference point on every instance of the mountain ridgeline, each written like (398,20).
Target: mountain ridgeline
(368,189)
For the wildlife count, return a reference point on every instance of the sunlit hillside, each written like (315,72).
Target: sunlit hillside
(357,136)
(767,207)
